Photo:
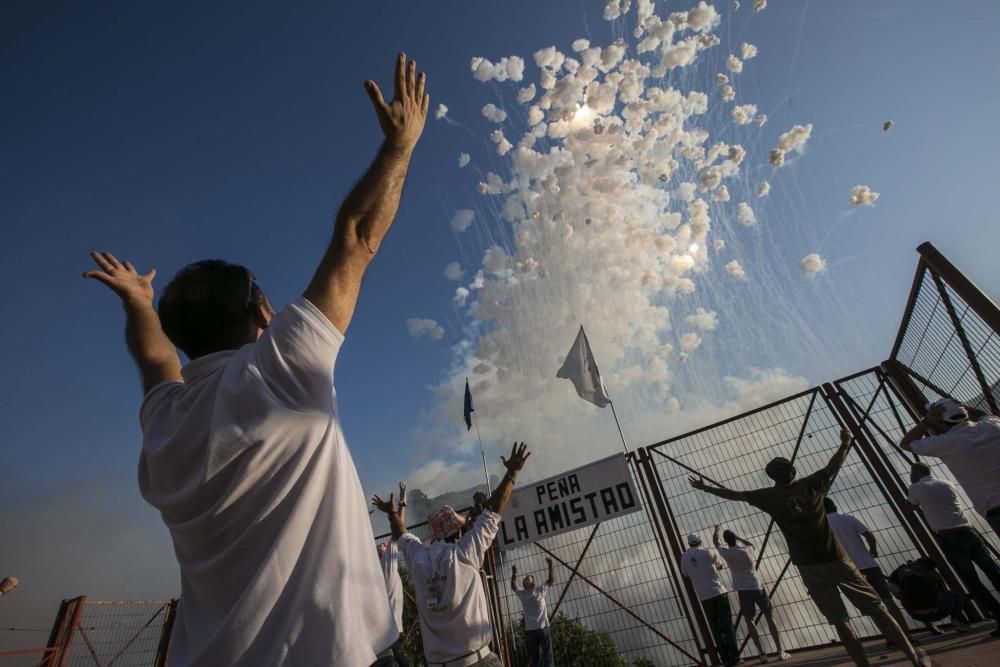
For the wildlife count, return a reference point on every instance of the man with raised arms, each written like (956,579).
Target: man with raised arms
(243,453)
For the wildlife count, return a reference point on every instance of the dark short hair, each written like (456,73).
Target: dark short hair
(829,505)
(206,307)
(920,468)
(729,536)
(780,470)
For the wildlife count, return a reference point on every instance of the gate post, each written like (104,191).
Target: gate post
(905,387)
(893,491)
(671,546)
(163,648)
(64,629)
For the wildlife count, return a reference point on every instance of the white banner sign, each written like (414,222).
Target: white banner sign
(596,492)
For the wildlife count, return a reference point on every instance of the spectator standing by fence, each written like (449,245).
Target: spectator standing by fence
(739,556)
(968,442)
(702,567)
(796,505)
(850,531)
(962,544)
(536,615)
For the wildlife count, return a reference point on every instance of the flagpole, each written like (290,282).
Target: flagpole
(482,451)
(618,424)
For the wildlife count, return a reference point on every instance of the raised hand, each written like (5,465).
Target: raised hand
(518,455)
(122,279)
(387,506)
(845,436)
(697,483)
(8,584)
(402,119)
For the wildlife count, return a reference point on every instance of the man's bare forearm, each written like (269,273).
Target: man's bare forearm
(361,225)
(397,522)
(723,492)
(152,351)
(501,495)
(552,575)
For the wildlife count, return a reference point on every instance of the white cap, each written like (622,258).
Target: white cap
(694,539)
(953,413)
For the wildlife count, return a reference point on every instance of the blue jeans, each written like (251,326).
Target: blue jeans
(720,618)
(540,647)
(964,548)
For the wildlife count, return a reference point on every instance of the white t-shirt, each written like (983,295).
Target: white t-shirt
(939,502)
(454,618)
(971,451)
(740,562)
(536,614)
(247,464)
(848,530)
(702,567)
(393,584)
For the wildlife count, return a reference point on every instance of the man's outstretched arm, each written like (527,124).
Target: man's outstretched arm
(838,458)
(368,211)
(552,573)
(720,491)
(152,351)
(513,578)
(396,516)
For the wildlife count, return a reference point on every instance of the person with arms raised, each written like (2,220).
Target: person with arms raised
(454,616)
(536,615)
(739,556)
(243,452)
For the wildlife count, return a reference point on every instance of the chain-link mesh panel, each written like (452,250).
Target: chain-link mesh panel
(734,453)
(940,330)
(123,633)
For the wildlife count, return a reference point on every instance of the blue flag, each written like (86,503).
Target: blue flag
(468,406)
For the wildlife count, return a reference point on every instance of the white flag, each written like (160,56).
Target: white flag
(581,368)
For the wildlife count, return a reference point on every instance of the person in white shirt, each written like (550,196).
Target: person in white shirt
(702,567)
(968,442)
(388,558)
(962,544)
(536,615)
(739,556)
(454,617)
(243,453)
(849,531)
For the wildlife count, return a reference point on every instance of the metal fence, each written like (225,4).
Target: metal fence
(104,633)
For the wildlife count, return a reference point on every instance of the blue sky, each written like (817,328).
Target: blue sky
(170,133)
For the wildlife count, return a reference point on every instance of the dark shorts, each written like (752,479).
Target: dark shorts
(750,601)
(825,583)
(878,581)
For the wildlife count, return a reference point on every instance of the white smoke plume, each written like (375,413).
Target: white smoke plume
(812,264)
(862,195)
(734,269)
(793,140)
(706,320)
(759,5)
(423,327)
(745,214)
(494,114)
(748,51)
(440,112)
(462,219)
(742,114)
(620,205)
(734,64)
(463,159)
(453,271)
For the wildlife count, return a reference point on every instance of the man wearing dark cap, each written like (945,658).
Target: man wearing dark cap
(796,505)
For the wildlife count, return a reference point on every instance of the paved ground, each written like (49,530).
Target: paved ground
(973,649)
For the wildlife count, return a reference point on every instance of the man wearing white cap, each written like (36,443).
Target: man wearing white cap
(454,617)
(968,442)
(702,567)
